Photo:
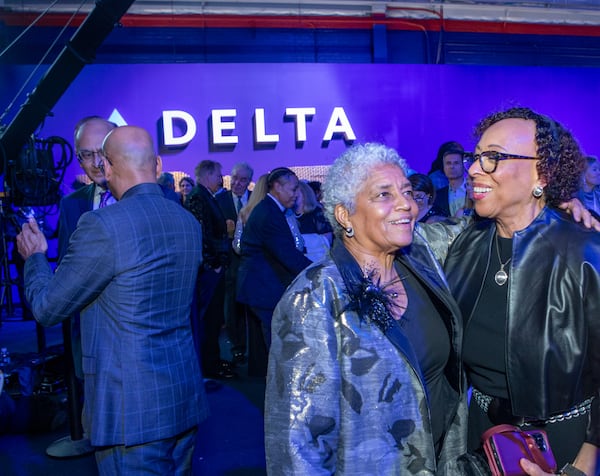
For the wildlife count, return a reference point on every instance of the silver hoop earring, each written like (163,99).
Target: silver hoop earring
(349,231)
(537,191)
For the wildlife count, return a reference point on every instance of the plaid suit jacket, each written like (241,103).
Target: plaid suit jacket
(130,269)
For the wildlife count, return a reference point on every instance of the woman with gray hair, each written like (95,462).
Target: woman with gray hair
(365,371)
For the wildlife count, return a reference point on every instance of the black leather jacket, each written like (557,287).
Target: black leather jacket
(553,334)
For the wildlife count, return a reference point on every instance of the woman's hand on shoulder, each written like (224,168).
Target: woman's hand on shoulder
(580,214)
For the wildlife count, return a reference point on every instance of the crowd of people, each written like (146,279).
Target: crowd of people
(394,316)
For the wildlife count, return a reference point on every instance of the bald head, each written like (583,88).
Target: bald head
(129,159)
(92,126)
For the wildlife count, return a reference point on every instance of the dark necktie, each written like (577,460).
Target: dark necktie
(104,196)
(238,204)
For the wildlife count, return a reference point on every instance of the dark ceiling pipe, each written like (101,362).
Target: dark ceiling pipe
(79,51)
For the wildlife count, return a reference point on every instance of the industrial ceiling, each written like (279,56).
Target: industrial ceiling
(555,12)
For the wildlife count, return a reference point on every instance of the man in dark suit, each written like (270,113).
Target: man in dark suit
(89,134)
(231,202)
(452,198)
(270,260)
(133,282)
(216,246)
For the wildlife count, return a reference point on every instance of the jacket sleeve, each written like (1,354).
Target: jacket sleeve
(83,273)
(592,311)
(303,386)
(440,235)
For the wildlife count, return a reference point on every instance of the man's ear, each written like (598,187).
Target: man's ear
(159,167)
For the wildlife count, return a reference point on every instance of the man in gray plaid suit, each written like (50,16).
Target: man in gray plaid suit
(130,270)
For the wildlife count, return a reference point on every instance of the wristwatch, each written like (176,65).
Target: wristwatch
(570,470)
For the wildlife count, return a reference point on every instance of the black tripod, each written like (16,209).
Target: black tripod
(6,281)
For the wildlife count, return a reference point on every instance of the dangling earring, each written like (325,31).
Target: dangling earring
(349,231)
(537,191)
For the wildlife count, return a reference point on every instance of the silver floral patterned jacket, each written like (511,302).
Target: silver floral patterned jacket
(341,397)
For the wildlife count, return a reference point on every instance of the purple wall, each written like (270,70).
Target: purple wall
(413,108)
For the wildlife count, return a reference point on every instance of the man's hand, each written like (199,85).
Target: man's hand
(580,214)
(31,240)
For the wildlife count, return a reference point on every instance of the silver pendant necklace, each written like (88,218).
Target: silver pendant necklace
(501,276)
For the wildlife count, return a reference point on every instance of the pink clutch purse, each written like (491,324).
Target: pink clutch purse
(505,445)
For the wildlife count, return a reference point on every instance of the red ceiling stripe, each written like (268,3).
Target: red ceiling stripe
(314,22)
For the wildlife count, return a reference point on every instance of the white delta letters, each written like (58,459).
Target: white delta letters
(223,126)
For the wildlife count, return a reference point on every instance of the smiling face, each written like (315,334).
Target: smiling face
(506,194)
(185,187)
(385,213)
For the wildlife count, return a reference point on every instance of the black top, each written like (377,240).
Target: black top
(314,222)
(484,350)
(425,329)
(433,212)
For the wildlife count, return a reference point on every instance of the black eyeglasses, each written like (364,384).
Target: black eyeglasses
(489,159)
(88,155)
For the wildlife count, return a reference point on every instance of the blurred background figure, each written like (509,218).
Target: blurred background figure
(436,172)
(270,261)
(258,193)
(186,185)
(469,208)
(452,198)
(316,187)
(167,180)
(231,202)
(314,227)
(424,195)
(209,314)
(589,193)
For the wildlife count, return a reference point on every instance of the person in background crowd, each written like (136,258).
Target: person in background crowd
(365,371)
(88,136)
(589,191)
(314,227)
(231,202)
(143,392)
(167,180)
(271,259)
(424,195)
(258,193)
(209,315)
(469,208)
(186,185)
(436,172)
(452,198)
(527,280)
(316,187)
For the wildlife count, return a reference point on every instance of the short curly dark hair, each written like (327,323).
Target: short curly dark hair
(561,160)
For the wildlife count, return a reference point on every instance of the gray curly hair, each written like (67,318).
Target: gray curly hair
(348,173)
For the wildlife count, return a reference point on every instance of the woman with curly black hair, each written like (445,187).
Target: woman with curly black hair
(527,280)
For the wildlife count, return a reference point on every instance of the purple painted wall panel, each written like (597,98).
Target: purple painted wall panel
(413,108)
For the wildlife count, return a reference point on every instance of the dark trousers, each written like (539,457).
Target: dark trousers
(235,312)
(259,340)
(208,318)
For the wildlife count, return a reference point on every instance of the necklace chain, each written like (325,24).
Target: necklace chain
(501,276)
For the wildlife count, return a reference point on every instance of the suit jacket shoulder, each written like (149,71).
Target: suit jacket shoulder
(71,208)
